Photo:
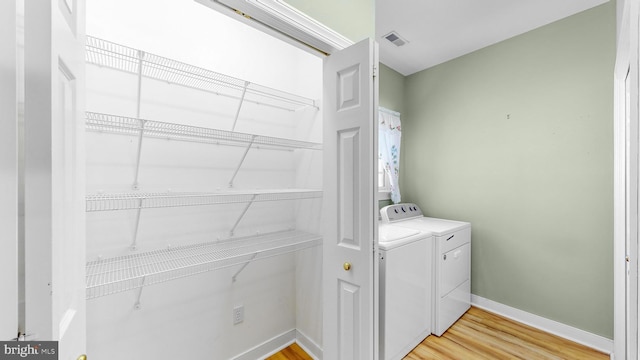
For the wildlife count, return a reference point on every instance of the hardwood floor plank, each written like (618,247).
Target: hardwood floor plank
(481,335)
(498,343)
(292,352)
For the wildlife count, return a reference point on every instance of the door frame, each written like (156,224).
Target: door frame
(627,64)
(8,171)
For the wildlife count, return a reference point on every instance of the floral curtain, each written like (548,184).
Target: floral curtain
(389,134)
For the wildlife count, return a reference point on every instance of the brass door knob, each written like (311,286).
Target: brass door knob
(347,266)
(82,357)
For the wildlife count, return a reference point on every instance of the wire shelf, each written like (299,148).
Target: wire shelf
(123,273)
(138,200)
(131,126)
(119,57)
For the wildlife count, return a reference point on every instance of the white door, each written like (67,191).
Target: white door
(8,173)
(54,174)
(350,185)
(631,243)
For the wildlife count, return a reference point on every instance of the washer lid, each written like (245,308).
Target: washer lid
(438,227)
(389,233)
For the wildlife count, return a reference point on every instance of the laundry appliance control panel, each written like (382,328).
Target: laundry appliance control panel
(400,212)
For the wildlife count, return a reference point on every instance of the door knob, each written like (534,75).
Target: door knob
(82,357)
(347,266)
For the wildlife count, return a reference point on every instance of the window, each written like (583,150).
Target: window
(389,135)
(384,188)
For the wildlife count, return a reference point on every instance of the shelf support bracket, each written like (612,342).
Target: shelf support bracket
(135,230)
(246,208)
(233,278)
(244,156)
(138,305)
(244,92)
(139,99)
(136,186)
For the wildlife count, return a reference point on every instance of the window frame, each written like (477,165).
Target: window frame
(384,189)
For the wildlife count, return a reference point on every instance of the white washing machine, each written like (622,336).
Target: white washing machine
(452,261)
(405,289)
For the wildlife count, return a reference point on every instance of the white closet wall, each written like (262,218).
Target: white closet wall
(192,316)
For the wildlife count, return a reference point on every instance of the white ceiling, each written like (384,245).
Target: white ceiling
(441,30)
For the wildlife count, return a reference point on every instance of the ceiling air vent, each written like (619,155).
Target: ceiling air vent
(395,39)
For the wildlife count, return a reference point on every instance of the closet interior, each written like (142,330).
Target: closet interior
(204,185)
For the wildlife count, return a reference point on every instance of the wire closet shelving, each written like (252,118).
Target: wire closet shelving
(134,271)
(142,200)
(149,128)
(139,269)
(123,58)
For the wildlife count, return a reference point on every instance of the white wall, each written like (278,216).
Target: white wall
(199,308)
(8,172)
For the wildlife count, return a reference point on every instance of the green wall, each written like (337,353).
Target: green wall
(391,89)
(517,139)
(354,19)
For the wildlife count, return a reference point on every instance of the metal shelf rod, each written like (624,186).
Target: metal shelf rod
(138,305)
(139,100)
(137,226)
(136,185)
(244,156)
(244,92)
(140,64)
(235,276)
(244,211)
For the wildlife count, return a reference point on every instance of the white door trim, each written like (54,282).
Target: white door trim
(8,172)
(283,21)
(626,61)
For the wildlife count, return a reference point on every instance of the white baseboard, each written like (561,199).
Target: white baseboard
(269,347)
(280,342)
(308,345)
(593,341)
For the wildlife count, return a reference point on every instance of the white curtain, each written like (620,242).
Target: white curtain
(389,134)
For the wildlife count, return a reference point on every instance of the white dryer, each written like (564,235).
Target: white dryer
(452,261)
(405,289)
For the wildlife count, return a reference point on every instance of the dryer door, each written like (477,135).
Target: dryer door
(455,268)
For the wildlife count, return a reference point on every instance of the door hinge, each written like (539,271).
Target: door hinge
(25,337)
(375,71)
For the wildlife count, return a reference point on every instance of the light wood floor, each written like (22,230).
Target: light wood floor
(293,352)
(482,335)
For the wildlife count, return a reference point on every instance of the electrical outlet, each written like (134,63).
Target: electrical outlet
(238,314)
